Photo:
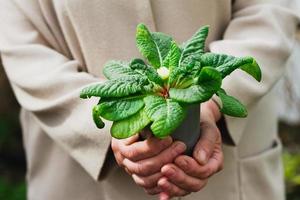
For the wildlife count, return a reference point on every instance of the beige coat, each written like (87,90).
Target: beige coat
(52,48)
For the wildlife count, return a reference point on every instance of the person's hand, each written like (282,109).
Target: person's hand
(190,174)
(143,159)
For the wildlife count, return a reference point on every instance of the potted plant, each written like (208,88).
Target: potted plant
(165,92)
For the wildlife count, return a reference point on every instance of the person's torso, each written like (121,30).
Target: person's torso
(93,32)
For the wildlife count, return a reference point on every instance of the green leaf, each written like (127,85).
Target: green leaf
(195,45)
(166,115)
(163,43)
(209,83)
(146,45)
(172,59)
(117,109)
(153,46)
(130,126)
(116,69)
(253,69)
(121,87)
(183,76)
(231,106)
(140,67)
(96,117)
(210,76)
(227,64)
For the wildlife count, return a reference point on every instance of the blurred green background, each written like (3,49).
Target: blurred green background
(13,164)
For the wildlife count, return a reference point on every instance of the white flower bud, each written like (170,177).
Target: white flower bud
(163,72)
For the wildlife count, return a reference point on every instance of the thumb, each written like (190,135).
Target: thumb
(206,144)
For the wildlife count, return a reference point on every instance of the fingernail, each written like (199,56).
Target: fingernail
(163,196)
(162,182)
(170,172)
(202,157)
(183,163)
(180,147)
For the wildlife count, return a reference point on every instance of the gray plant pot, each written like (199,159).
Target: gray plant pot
(189,131)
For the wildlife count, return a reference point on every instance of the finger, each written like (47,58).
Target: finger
(119,158)
(127,171)
(171,189)
(176,176)
(164,196)
(152,165)
(214,165)
(205,146)
(147,181)
(153,191)
(191,167)
(130,140)
(117,143)
(145,149)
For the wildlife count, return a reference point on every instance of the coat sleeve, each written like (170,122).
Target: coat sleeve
(47,84)
(266,31)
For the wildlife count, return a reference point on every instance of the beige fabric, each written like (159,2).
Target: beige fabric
(53,48)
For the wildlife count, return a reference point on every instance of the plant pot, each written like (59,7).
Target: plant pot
(189,130)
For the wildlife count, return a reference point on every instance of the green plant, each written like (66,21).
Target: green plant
(158,92)
(292,168)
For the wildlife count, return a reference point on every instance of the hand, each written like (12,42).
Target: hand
(143,159)
(190,174)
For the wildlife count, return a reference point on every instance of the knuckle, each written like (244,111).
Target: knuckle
(184,164)
(181,179)
(153,150)
(143,169)
(165,142)
(130,154)
(139,169)
(119,159)
(208,172)
(197,187)
(208,144)
(177,148)
(211,171)
(114,146)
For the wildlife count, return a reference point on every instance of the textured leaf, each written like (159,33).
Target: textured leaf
(172,59)
(210,76)
(146,45)
(166,115)
(196,45)
(116,69)
(227,64)
(209,83)
(231,106)
(153,46)
(140,67)
(130,126)
(121,87)
(96,117)
(117,109)
(253,69)
(183,76)
(163,43)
